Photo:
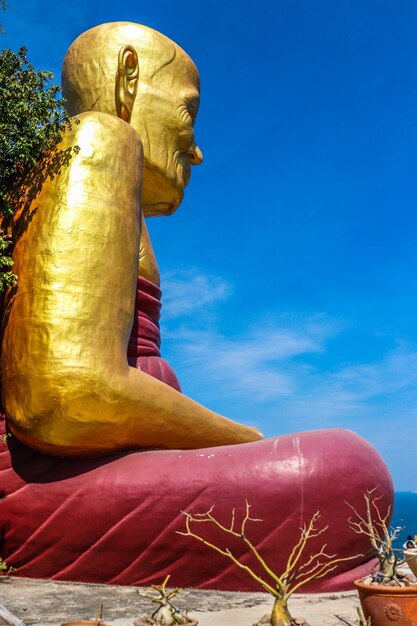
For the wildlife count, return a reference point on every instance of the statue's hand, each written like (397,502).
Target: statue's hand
(256,432)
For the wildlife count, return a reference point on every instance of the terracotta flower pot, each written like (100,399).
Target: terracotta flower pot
(411,558)
(388,606)
(84,623)
(145,622)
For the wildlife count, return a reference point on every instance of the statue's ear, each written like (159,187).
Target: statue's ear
(126,81)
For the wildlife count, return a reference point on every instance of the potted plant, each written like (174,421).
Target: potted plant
(166,613)
(388,596)
(299,570)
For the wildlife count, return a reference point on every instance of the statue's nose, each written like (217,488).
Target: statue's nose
(195,156)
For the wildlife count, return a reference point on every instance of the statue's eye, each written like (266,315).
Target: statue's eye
(193,104)
(185,114)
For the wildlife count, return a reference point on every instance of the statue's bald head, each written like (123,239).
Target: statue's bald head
(90,64)
(165,104)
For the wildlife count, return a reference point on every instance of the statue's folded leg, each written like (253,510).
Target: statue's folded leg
(114,519)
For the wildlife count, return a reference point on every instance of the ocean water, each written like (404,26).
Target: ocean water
(405,514)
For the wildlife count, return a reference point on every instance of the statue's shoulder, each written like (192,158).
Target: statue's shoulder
(98,146)
(98,135)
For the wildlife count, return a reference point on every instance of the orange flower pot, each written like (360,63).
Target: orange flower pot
(146,622)
(388,606)
(85,623)
(411,558)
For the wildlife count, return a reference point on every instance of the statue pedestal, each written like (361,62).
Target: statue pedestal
(113,519)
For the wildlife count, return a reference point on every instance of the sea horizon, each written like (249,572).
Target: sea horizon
(405,515)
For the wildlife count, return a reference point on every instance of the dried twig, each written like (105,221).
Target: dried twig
(297,573)
(375,526)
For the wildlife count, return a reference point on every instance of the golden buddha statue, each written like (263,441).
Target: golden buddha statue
(74,383)
(67,386)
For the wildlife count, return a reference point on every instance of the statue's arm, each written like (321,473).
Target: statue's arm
(67,387)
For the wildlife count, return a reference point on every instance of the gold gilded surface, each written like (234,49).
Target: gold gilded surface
(67,387)
(148,266)
(164,110)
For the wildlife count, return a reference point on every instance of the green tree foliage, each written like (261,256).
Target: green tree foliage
(4,568)
(32,119)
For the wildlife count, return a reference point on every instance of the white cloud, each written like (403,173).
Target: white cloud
(268,376)
(364,396)
(186,292)
(285,374)
(255,364)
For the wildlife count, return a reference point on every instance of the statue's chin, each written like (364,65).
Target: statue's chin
(161,194)
(158,208)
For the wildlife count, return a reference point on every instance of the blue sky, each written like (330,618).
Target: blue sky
(289,271)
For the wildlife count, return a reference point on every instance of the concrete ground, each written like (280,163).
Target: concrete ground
(47,603)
